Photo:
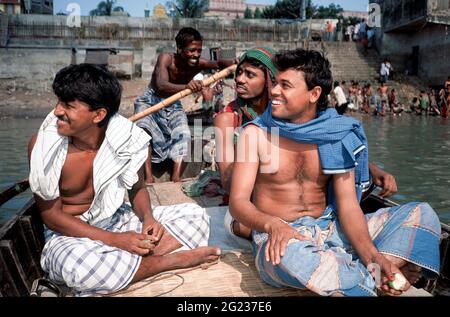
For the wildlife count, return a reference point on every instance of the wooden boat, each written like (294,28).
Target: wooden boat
(22,240)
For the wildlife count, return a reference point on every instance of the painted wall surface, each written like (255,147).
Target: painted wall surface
(434,47)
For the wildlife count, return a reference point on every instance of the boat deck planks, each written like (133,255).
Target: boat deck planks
(21,242)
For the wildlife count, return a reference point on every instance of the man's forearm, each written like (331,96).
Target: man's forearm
(72,226)
(246,213)
(140,202)
(225,169)
(355,228)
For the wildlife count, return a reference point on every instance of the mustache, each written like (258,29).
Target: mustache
(62,118)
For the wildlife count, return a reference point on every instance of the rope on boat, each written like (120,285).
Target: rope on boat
(149,280)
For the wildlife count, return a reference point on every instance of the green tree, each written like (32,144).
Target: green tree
(106,7)
(333,11)
(187,8)
(248,13)
(287,9)
(258,14)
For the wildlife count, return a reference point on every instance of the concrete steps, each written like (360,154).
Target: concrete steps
(349,63)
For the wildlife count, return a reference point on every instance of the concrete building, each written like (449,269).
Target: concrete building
(230,8)
(10,6)
(37,6)
(26,6)
(415,36)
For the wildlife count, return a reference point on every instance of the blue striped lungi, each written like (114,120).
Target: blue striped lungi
(168,127)
(91,267)
(327,265)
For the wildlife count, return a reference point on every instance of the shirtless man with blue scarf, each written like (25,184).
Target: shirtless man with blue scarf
(309,231)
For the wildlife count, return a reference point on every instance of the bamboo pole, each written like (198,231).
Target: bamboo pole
(186,92)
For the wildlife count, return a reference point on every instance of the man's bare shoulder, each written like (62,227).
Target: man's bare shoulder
(164,59)
(224,119)
(252,130)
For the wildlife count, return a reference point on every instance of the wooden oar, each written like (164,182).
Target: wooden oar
(186,92)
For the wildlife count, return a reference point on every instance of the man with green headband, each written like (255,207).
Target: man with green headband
(253,95)
(254,76)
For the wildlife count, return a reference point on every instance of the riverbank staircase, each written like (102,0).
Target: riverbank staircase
(348,62)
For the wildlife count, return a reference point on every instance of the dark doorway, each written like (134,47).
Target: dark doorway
(415,60)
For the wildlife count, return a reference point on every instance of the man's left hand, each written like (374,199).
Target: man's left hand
(388,271)
(388,183)
(153,229)
(385,181)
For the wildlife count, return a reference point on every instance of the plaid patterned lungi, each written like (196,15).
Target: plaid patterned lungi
(168,127)
(328,265)
(91,267)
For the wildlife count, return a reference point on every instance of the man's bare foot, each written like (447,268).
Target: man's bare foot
(154,264)
(199,256)
(412,272)
(176,179)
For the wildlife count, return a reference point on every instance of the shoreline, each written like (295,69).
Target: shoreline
(17,101)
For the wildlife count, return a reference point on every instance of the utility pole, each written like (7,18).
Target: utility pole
(302,10)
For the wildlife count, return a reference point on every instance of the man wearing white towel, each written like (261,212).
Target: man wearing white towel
(83,159)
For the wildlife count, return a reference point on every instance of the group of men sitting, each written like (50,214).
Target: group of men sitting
(295,172)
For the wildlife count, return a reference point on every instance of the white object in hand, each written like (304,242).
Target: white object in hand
(398,283)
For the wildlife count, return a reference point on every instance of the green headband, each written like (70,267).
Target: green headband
(264,56)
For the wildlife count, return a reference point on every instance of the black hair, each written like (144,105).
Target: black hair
(336,83)
(255,63)
(91,84)
(315,67)
(186,36)
(343,82)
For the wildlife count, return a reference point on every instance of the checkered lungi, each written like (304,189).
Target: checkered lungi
(168,127)
(91,267)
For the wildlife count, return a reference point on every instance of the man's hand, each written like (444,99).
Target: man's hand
(195,85)
(154,229)
(384,180)
(387,182)
(388,270)
(279,235)
(132,242)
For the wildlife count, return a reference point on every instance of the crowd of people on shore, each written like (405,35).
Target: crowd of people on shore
(383,100)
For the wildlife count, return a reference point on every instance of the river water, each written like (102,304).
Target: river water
(415,149)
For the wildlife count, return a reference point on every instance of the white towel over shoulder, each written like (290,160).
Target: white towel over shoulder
(122,153)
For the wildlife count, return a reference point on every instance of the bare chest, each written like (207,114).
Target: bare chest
(293,162)
(77,175)
(181,76)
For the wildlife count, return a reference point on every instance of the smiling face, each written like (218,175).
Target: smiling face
(250,81)
(191,53)
(291,99)
(76,117)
